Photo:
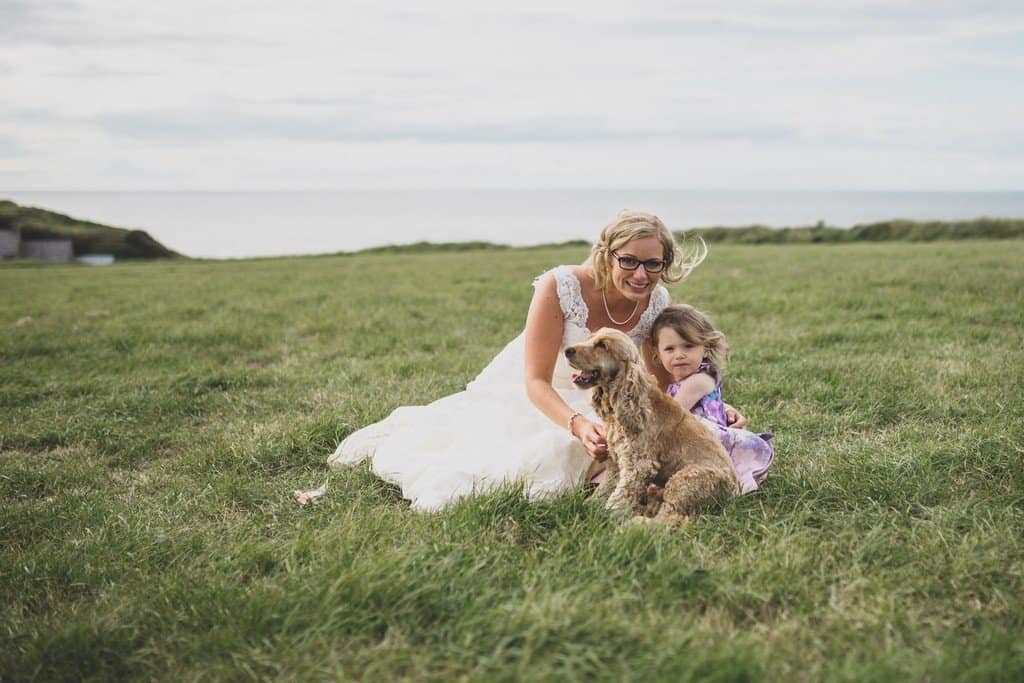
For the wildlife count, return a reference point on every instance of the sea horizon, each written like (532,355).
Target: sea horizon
(260,223)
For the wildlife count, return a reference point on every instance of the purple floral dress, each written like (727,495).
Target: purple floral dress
(751,453)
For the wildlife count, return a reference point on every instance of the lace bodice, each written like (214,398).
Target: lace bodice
(576,313)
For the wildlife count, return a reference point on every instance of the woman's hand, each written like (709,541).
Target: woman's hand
(592,436)
(734,418)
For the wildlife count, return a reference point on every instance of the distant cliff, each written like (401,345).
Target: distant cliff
(86,237)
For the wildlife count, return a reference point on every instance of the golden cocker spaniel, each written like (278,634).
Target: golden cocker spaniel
(651,438)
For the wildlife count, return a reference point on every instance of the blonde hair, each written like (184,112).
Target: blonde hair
(694,327)
(631,225)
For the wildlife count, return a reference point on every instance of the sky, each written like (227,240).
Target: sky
(309,94)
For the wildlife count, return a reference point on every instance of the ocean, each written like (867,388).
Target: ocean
(248,224)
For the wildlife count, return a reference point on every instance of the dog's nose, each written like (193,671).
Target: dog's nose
(570,352)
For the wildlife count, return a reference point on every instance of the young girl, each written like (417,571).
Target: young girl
(694,353)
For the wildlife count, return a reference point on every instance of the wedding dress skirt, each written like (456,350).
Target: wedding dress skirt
(490,433)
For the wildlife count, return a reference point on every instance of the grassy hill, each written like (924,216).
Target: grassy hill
(86,237)
(897,230)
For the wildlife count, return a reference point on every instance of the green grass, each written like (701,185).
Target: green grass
(155,418)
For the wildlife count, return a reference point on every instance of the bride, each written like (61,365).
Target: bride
(522,419)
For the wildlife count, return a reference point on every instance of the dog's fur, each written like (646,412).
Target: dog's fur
(651,438)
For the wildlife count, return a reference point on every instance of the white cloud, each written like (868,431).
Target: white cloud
(210,95)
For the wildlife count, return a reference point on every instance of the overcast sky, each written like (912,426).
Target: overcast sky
(210,94)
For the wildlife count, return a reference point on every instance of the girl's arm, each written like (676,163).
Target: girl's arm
(694,388)
(734,418)
(543,340)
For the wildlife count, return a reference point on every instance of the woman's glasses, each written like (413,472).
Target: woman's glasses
(653,265)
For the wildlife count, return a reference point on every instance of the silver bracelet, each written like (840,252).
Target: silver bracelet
(571,419)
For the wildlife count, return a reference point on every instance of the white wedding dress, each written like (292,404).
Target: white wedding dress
(490,433)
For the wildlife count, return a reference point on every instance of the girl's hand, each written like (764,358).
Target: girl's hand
(734,418)
(593,438)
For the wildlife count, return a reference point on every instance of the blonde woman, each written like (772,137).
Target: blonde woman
(522,419)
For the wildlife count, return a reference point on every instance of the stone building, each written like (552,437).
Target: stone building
(55,250)
(51,251)
(10,242)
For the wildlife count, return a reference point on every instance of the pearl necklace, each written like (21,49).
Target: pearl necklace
(618,322)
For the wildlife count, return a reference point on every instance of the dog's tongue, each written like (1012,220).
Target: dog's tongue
(582,377)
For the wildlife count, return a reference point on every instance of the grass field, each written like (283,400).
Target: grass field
(156,417)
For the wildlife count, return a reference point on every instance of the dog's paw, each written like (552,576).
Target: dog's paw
(641,520)
(671,520)
(619,501)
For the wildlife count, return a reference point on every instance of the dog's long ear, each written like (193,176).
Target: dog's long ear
(633,374)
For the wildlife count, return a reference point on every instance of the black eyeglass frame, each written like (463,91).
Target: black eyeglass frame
(653,266)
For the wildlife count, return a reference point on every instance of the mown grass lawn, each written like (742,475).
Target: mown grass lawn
(156,417)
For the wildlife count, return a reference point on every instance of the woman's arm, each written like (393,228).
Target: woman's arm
(543,340)
(694,388)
